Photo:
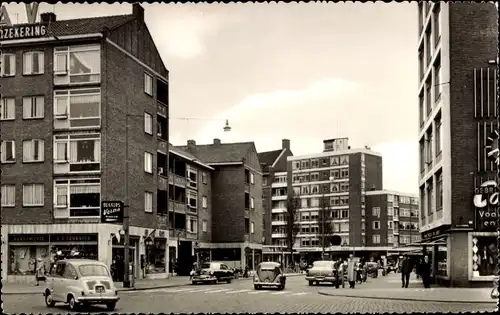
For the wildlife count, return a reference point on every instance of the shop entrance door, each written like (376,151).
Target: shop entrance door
(118,258)
(185,258)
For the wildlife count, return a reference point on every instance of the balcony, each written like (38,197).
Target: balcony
(162,110)
(277,197)
(162,220)
(179,181)
(162,146)
(191,235)
(162,183)
(278,223)
(278,235)
(395,217)
(278,210)
(177,233)
(177,206)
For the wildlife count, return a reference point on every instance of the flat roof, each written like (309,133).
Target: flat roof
(332,153)
(389,192)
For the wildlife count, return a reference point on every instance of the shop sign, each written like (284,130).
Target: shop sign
(112,212)
(486,203)
(28,238)
(73,237)
(434,233)
(23,31)
(486,195)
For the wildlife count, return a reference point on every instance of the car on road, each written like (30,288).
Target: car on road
(269,274)
(323,271)
(212,272)
(80,282)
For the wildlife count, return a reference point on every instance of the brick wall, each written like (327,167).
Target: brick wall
(374,173)
(473,41)
(205,213)
(124,85)
(228,203)
(257,214)
(355,199)
(371,202)
(267,207)
(20,173)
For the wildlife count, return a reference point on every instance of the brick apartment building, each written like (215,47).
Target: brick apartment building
(458,56)
(392,219)
(237,208)
(274,184)
(339,173)
(80,102)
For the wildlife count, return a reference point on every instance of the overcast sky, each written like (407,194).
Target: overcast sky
(306,72)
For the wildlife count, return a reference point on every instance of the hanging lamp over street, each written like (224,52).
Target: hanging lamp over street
(227,127)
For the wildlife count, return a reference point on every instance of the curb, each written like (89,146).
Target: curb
(137,289)
(403,299)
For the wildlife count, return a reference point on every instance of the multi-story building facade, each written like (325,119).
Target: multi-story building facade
(237,208)
(341,174)
(392,219)
(189,205)
(458,55)
(274,184)
(80,101)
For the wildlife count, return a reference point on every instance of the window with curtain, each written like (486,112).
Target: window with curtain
(33,62)
(33,195)
(8,195)
(61,151)
(148,123)
(83,106)
(148,84)
(8,67)
(85,200)
(8,151)
(148,201)
(148,162)
(33,107)
(61,196)
(84,66)
(33,150)
(8,108)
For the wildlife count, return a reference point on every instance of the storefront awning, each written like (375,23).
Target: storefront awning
(438,242)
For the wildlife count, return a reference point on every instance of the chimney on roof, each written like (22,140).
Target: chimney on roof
(138,12)
(191,145)
(285,144)
(216,141)
(47,17)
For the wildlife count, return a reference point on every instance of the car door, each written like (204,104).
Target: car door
(69,280)
(57,281)
(224,272)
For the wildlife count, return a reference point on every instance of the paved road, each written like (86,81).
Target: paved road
(239,296)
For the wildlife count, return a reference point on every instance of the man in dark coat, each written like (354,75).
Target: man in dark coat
(425,272)
(406,268)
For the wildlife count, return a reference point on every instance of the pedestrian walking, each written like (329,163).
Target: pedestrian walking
(40,272)
(425,272)
(351,271)
(406,268)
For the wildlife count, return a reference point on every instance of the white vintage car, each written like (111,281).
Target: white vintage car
(80,282)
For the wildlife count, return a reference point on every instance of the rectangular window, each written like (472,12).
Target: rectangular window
(148,162)
(192,225)
(82,151)
(376,225)
(77,64)
(428,96)
(376,211)
(252,203)
(436,23)
(204,202)
(81,196)
(390,225)
(33,62)
(421,109)
(8,67)
(33,195)
(148,123)
(8,109)
(439,137)
(148,201)
(8,195)
(252,228)
(148,84)
(430,196)
(334,161)
(376,239)
(33,150)
(8,153)
(192,199)
(421,63)
(439,192)
(428,150)
(33,107)
(204,178)
(344,227)
(82,107)
(252,178)
(428,47)
(437,80)
(204,224)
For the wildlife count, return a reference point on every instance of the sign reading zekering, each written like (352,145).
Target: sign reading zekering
(23,31)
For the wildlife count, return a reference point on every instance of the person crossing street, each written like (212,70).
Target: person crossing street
(406,268)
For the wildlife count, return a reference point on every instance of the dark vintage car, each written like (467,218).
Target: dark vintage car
(323,271)
(269,275)
(211,272)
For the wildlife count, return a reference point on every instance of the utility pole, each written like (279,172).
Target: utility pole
(126,216)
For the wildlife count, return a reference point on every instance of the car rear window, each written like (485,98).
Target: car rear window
(323,264)
(93,270)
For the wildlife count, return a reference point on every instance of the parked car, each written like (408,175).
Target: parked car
(212,272)
(80,282)
(323,271)
(269,274)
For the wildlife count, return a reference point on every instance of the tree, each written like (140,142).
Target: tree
(326,234)
(291,219)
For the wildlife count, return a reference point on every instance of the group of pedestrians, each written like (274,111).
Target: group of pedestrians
(422,268)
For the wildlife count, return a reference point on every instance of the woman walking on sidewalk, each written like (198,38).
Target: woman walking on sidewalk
(40,272)
(351,271)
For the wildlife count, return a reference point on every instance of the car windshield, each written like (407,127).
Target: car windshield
(209,266)
(322,264)
(93,270)
(268,267)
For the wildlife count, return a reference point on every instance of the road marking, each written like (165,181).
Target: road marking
(257,292)
(279,293)
(176,290)
(238,291)
(216,291)
(300,293)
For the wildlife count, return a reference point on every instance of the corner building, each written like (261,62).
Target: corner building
(458,56)
(84,110)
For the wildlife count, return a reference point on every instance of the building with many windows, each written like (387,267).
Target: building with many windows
(392,219)
(81,100)
(341,175)
(236,198)
(458,56)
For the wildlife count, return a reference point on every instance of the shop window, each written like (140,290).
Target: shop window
(156,257)
(484,253)
(23,259)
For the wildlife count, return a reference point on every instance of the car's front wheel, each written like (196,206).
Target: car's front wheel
(256,287)
(311,283)
(49,300)
(73,305)
(111,306)
(281,287)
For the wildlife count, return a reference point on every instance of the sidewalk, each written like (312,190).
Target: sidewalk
(141,284)
(389,288)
